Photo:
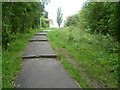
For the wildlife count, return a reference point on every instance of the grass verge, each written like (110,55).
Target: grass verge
(96,56)
(11,59)
(49,29)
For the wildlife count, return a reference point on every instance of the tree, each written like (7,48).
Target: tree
(19,17)
(98,17)
(59,16)
(72,20)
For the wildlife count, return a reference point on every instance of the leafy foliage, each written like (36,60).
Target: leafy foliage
(98,17)
(93,33)
(72,20)
(11,61)
(19,17)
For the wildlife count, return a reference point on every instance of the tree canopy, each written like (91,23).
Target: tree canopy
(20,17)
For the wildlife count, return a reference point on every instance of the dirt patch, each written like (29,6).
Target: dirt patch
(94,83)
(24,60)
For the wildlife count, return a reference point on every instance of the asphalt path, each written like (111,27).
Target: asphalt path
(42,72)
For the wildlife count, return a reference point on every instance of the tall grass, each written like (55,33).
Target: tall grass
(96,55)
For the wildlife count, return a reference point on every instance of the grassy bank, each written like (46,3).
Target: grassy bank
(90,58)
(11,59)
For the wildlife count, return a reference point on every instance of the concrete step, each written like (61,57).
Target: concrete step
(40,56)
(38,38)
(39,49)
(33,40)
(46,31)
(41,33)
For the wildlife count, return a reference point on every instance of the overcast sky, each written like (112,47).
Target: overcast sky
(68,7)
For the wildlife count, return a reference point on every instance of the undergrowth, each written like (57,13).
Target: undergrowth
(96,55)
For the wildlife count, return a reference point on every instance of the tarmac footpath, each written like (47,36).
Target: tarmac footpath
(41,69)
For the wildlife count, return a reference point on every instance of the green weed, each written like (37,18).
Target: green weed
(96,55)
(11,59)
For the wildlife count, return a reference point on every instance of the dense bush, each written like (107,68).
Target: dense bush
(19,17)
(98,17)
(72,20)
